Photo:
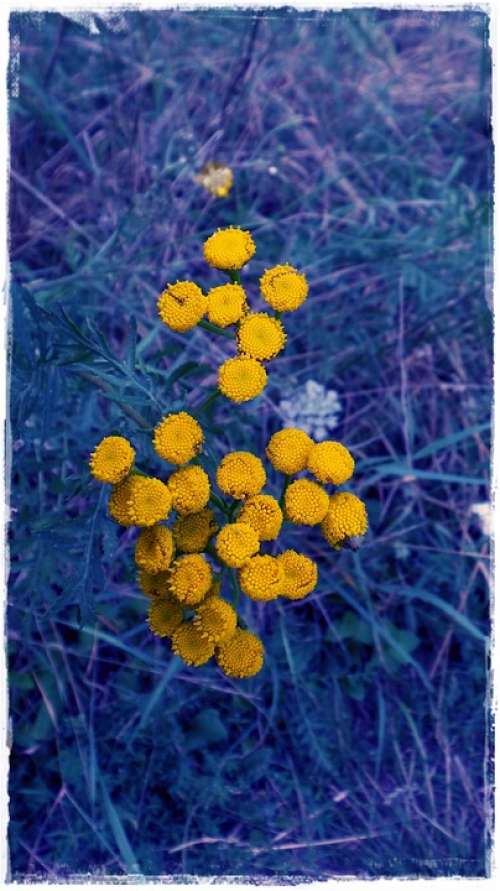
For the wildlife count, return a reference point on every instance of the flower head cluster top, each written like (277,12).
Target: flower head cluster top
(198,534)
(259,336)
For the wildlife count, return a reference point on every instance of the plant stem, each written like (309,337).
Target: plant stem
(208,401)
(214,329)
(234,275)
(286,483)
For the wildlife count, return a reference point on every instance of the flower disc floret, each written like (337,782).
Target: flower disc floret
(226,305)
(190,489)
(240,474)
(241,378)
(229,248)
(330,462)
(154,549)
(190,579)
(260,336)
(192,532)
(241,656)
(301,574)
(305,502)
(216,619)
(284,288)
(164,616)
(189,644)
(112,459)
(235,543)
(346,517)
(140,501)
(262,577)
(264,514)
(153,585)
(288,450)
(178,438)
(182,305)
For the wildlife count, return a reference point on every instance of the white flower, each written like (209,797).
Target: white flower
(313,408)
(484,515)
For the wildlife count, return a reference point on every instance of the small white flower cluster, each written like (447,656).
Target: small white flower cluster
(312,408)
(483,514)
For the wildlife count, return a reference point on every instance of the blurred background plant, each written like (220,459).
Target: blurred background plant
(360,148)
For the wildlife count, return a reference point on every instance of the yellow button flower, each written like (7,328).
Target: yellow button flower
(242,656)
(140,501)
(301,574)
(216,179)
(346,518)
(284,288)
(305,502)
(153,584)
(192,532)
(190,579)
(235,543)
(330,462)
(182,305)
(154,549)
(190,489)
(240,474)
(189,643)
(164,617)
(229,248)
(216,619)
(112,460)
(263,513)
(262,578)
(178,438)
(226,305)
(260,336)
(242,378)
(288,450)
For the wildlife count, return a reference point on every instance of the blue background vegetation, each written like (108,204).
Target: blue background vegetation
(361,150)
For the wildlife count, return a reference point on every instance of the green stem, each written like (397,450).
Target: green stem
(208,401)
(277,315)
(214,329)
(236,588)
(234,275)
(219,503)
(286,483)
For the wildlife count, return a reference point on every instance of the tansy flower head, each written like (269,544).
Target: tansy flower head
(189,643)
(190,579)
(241,656)
(226,305)
(153,584)
(240,474)
(216,619)
(263,513)
(216,179)
(262,578)
(229,248)
(112,459)
(260,336)
(301,574)
(182,306)
(235,543)
(178,438)
(330,462)
(346,517)
(164,617)
(305,502)
(242,378)
(192,532)
(140,501)
(190,489)
(284,288)
(289,449)
(154,549)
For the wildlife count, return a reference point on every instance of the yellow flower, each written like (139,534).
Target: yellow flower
(192,532)
(260,336)
(154,549)
(229,248)
(262,577)
(235,543)
(305,502)
(112,459)
(178,438)
(263,513)
(164,617)
(284,288)
(190,579)
(330,462)
(242,378)
(140,501)
(241,656)
(182,306)
(153,584)
(346,518)
(189,643)
(190,489)
(216,179)
(301,574)
(216,619)
(226,305)
(289,449)
(240,474)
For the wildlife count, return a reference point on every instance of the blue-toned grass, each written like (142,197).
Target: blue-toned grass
(361,151)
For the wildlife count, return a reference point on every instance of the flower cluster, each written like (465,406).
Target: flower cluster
(215,178)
